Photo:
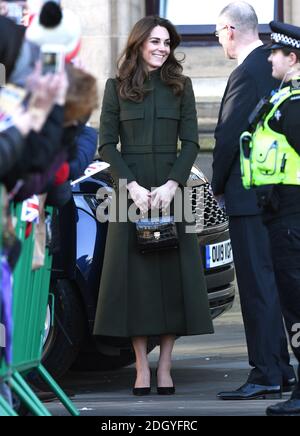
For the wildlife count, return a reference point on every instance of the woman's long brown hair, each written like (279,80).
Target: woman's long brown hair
(133,70)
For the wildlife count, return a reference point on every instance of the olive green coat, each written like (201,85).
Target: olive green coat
(161,293)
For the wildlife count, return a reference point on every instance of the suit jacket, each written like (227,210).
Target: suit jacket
(247,85)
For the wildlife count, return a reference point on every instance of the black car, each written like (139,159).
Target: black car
(74,290)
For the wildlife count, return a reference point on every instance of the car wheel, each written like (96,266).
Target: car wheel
(63,336)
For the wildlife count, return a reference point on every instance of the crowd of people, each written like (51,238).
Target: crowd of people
(45,139)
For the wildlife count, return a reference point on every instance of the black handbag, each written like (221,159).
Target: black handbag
(157,234)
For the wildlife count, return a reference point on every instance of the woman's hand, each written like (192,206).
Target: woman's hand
(49,90)
(62,88)
(140,196)
(162,197)
(22,121)
(3,8)
(220,199)
(58,84)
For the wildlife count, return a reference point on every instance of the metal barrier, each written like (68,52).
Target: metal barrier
(30,299)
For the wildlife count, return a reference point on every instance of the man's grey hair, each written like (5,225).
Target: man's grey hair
(242,16)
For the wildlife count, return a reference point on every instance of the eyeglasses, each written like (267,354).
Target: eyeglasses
(217,33)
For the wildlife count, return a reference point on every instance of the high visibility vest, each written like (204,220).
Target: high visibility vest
(267,158)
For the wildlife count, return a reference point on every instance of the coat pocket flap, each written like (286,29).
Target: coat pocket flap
(134,114)
(173,114)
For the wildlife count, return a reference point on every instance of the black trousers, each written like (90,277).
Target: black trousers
(263,321)
(285,244)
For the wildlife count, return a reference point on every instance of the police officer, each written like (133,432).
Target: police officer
(270,161)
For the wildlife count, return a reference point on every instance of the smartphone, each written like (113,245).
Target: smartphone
(15,11)
(52,58)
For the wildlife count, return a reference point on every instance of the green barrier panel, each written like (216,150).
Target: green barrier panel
(4,371)
(31,293)
(5,409)
(21,306)
(24,299)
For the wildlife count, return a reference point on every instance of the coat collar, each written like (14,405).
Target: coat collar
(248,50)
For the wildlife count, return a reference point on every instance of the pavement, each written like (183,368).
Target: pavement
(203,366)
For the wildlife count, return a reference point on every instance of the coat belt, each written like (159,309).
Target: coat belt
(142,149)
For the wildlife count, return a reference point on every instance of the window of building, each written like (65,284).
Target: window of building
(195,19)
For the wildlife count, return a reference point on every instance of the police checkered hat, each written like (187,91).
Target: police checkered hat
(284,36)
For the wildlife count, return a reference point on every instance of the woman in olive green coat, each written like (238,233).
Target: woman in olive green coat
(148,107)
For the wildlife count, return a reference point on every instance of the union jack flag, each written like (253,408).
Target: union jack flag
(30,209)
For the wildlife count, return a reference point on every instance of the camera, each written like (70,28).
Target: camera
(53,58)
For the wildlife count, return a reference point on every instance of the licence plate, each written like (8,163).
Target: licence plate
(219,254)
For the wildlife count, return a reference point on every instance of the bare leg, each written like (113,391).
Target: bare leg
(164,378)
(142,363)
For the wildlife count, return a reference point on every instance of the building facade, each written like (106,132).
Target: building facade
(107,23)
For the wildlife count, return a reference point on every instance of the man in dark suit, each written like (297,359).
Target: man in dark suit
(237,30)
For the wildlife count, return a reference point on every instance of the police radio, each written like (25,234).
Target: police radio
(259,114)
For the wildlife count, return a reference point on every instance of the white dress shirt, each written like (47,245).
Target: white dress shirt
(248,50)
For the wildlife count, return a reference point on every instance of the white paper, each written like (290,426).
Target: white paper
(94,168)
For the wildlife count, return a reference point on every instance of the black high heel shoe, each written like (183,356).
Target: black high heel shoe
(165,391)
(142,392)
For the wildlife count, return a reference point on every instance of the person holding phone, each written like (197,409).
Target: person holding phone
(149,106)
(21,120)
